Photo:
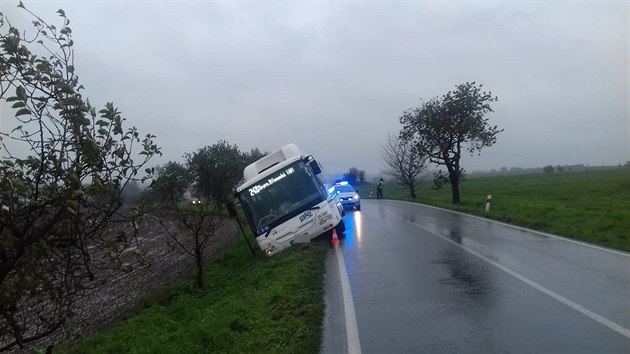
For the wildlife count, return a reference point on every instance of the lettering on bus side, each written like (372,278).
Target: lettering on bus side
(305,216)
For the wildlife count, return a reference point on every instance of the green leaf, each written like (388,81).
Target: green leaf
(19,104)
(76,193)
(20,92)
(18,184)
(91,147)
(22,111)
(73,179)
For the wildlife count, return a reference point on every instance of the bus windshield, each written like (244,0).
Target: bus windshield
(281,196)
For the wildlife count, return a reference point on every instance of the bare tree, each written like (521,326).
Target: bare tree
(62,171)
(190,227)
(404,163)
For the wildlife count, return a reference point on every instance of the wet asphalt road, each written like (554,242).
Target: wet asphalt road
(424,280)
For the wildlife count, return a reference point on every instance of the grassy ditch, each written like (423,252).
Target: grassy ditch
(592,206)
(250,304)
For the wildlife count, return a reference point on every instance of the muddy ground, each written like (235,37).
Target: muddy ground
(118,292)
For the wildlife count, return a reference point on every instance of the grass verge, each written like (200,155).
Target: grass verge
(250,304)
(591,206)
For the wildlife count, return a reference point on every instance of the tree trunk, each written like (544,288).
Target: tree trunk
(413,192)
(199,260)
(455,187)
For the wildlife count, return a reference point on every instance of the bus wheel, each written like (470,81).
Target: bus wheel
(341,227)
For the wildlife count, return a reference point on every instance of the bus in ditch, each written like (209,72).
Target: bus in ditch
(285,200)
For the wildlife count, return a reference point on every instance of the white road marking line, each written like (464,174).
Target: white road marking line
(352,332)
(521,228)
(599,318)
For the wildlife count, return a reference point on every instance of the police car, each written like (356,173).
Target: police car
(348,195)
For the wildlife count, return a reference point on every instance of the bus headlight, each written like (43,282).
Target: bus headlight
(269,251)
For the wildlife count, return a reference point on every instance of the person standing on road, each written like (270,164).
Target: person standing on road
(379,189)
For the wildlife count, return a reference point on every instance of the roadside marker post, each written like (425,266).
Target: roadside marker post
(488,202)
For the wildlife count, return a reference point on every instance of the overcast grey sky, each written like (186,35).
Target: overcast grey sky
(333,77)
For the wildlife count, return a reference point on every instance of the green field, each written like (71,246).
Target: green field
(250,305)
(591,206)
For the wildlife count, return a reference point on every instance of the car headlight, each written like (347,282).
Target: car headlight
(356,196)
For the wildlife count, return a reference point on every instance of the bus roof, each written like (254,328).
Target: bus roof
(287,152)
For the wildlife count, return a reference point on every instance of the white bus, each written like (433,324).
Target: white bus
(286,202)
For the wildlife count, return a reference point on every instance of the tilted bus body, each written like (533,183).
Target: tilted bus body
(286,202)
